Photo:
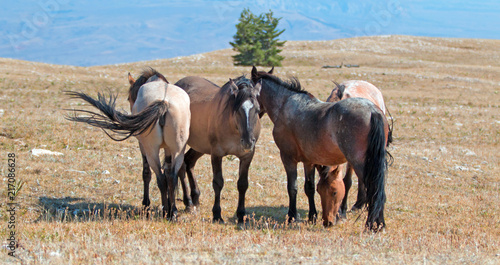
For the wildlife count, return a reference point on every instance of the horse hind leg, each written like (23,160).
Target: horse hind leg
(146,177)
(361,199)
(190,159)
(153,159)
(172,172)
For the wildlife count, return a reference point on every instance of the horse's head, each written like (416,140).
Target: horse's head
(256,78)
(148,75)
(131,80)
(331,189)
(245,110)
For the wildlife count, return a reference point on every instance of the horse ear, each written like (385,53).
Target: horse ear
(271,71)
(340,90)
(257,88)
(254,72)
(233,87)
(320,169)
(130,79)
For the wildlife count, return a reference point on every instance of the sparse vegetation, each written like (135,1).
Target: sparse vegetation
(442,191)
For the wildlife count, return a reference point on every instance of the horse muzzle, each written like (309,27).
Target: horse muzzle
(248,146)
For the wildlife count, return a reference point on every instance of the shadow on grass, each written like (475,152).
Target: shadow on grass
(71,209)
(272,218)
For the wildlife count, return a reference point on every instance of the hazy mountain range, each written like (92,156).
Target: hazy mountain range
(106,32)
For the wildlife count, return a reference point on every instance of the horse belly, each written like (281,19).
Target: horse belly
(325,154)
(199,138)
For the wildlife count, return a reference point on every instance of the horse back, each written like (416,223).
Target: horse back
(160,91)
(202,94)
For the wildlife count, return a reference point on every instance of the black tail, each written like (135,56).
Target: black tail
(119,123)
(374,172)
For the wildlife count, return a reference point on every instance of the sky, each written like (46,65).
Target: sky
(92,32)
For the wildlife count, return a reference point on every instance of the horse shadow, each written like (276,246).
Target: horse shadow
(269,217)
(74,209)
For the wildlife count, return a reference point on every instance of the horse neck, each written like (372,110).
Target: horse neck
(272,98)
(224,115)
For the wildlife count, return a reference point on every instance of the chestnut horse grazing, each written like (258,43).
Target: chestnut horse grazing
(160,119)
(308,130)
(332,191)
(348,89)
(224,121)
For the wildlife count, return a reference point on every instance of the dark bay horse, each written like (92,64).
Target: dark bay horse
(348,89)
(308,130)
(224,121)
(160,120)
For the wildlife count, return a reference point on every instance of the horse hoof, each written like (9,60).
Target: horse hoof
(242,220)
(188,203)
(172,218)
(195,196)
(356,208)
(218,220)
(313,219)
(191,209)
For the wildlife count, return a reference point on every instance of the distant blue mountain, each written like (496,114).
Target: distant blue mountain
(92,32)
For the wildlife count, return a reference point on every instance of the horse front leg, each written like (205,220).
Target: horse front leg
(243,186)
(347,184)
(186,198)
(218,184)
(291,175)
(309,172)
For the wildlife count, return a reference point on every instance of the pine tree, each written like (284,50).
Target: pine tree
(257,41)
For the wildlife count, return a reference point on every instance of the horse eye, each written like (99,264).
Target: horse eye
(334,193)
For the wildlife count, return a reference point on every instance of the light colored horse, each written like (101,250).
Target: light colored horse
(308,130)
(328,184)
(160,119)
(225,121)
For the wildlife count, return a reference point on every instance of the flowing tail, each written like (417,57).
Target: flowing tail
(374,172)
(119,123)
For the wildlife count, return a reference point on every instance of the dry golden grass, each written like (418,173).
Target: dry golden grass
(443,189)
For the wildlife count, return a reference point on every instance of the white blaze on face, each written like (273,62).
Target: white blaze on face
(247,106)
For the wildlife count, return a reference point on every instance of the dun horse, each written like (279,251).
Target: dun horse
(308,130)
(160,119)
(225,121)
(328,184)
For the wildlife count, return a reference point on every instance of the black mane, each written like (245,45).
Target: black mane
(244,92)
(145,75)
(292,84)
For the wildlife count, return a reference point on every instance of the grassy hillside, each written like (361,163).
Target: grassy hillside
(443,190)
